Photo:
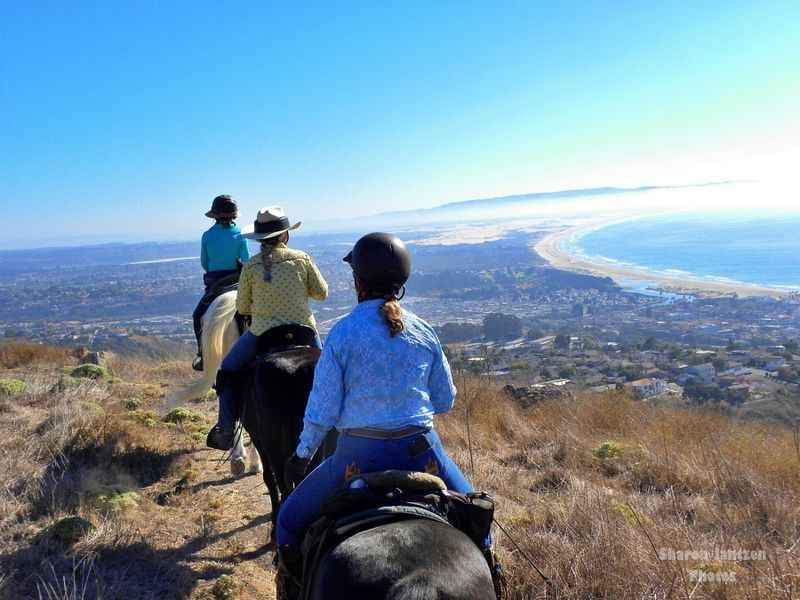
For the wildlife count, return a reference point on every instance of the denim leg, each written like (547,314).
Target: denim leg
(451,474)
(197,320)
(243,351)
(449,471)
(304,504)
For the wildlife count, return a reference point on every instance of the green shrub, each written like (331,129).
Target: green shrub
(115,500)
(146,417)
(90,371)
(608,450)
(132,403)
(11,387)
(226,588)
(182,415)
(69,530)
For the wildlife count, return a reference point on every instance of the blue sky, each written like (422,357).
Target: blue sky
(123,120)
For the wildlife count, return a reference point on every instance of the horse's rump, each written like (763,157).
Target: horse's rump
(410,559)
(283,382)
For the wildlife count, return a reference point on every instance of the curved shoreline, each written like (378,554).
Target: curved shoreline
(551,249)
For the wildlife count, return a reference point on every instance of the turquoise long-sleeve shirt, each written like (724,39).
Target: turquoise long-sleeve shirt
(221,247)
(366,378)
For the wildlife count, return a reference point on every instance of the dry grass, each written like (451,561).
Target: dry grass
(591,490)
(138,484)
(595,519)
(16,354)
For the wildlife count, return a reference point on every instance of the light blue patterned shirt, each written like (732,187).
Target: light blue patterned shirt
(366,378)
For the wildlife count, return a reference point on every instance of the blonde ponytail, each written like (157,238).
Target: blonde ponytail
(393,314)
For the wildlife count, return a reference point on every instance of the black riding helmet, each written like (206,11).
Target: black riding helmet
(223,207)
(381,261)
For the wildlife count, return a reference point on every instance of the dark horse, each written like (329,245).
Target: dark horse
(407,560)
(273,398)
(413,559)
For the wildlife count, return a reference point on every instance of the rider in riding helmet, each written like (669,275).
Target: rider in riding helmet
(274,289)
(381,378)
(221,250)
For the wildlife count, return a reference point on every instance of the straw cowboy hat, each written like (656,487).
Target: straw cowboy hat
(223,207)
(270,222)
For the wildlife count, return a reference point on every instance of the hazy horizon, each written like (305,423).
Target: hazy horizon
(748,199)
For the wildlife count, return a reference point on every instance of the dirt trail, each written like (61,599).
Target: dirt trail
(191,531)
(214,524)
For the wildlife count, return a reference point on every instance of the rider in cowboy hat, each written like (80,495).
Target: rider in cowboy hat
(274,289)
(221,250)
(381,378)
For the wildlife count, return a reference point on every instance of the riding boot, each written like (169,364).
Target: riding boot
(289,577)
(219,438)
(498,575)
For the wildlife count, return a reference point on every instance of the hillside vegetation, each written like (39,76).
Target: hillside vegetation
(104,496)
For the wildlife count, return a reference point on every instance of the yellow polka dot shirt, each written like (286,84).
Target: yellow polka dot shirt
(284,299)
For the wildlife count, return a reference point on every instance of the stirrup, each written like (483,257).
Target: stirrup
(220,439)
(499,580)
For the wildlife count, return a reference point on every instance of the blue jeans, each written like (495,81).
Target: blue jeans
(240,355)
(304,504)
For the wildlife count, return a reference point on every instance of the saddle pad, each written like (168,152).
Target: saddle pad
(347,526)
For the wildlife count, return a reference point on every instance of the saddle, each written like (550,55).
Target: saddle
(375,499)
(286,337)
(281,339)
(227,284)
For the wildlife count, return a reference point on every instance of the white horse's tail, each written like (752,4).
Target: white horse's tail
(219,334)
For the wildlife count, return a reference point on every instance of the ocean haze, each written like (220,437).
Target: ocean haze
(547,204)
(540,210)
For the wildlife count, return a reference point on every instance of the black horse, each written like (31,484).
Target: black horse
(412,559)
(407,560)
(273,398)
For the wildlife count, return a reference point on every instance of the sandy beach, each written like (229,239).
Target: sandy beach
(552,249)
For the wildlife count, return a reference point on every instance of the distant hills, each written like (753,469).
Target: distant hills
(500,201)
(486,209)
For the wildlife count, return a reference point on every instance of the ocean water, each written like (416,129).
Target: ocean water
(739,248)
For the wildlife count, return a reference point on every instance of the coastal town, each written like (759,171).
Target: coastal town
(722,353)
(498,306)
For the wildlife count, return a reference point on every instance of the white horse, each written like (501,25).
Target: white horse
(220,333)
